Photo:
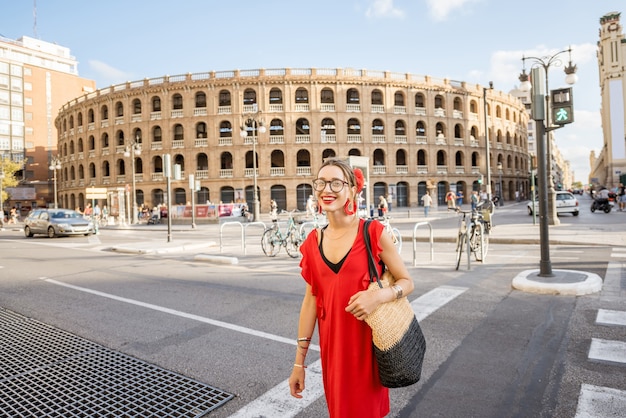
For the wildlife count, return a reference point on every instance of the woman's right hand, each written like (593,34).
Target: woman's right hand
(296,382)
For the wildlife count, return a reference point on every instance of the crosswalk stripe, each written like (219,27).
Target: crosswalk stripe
(609,317)
(607,350)
(600,402)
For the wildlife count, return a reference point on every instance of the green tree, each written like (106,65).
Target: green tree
(7,176)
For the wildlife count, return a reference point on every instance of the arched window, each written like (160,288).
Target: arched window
(224,98)
(200,99)
(72,122)
(420,129)
(327,96)
(377,97)
(458,104)
(91,143)
(420,101)
(352,96)
(202,162)
(439,102)
(302,127)
(201,130)
(226,129)
(104,112)
(328,126)
(177,101)
(377,127)
(156,104)
(398,99)
(249,97)
(179,134)
(276,127)
(119,109)
(136,107)
(157,134)
(90,116)
(302,96)
(276,96)
(400,128)
(421,157)
(80,118)
(354,127)
(105,140)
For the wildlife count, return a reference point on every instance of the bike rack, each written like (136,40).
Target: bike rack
(249,224)
(243,232)
(431,240)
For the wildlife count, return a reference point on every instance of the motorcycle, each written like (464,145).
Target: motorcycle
(601,204)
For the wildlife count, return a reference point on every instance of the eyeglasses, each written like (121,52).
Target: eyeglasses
(336,185)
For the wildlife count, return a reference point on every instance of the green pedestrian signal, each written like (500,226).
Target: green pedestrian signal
(562,104)
(562,115)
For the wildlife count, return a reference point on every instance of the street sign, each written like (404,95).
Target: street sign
(96,192)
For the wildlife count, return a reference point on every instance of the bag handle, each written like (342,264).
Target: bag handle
(370,257)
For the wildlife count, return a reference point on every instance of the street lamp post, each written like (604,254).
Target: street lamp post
(133,150)
(500,191)
(487,145)
(546,62)
(55,164)
(255,124)
(1,196)
(540,109)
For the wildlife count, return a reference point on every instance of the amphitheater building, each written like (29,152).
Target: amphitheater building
(416,134)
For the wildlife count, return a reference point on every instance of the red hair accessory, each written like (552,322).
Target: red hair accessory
(360,180)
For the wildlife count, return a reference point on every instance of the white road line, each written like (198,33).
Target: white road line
(600,402)
(607,350)
(278,402)
(609,317)
(199,318)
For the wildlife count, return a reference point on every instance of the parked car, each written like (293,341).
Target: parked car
(566,202)
(57,222)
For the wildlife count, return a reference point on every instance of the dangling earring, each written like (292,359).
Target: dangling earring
(319,208)
(348,209)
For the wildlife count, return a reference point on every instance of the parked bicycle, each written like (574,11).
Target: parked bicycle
(274,238)
(473,229)
(394,232)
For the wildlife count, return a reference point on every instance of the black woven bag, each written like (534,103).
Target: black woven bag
(399,344)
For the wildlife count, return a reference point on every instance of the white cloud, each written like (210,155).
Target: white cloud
(110,74)
(383,8)
(441,9)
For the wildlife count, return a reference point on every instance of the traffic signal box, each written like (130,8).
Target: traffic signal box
(562,104)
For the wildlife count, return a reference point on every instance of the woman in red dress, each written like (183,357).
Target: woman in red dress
(334,266)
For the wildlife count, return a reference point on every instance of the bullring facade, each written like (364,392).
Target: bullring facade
(420,134)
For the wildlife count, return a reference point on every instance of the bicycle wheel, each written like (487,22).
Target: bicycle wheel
(460,248)
(397,239)
(477,242)
(293,242)
(271,242)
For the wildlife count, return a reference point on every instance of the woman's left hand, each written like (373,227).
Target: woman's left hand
(362,304)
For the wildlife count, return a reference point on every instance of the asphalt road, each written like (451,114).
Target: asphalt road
(492,351)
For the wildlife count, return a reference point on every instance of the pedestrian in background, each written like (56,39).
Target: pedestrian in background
(427,201)
(335,268)
(621,193)
(450,199)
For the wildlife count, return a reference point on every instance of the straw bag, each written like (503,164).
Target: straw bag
(399,344)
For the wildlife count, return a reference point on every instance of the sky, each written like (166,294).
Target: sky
(476,41)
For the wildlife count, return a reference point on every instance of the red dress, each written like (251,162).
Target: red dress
(350,372)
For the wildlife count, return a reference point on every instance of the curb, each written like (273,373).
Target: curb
(563,282)
(216,259)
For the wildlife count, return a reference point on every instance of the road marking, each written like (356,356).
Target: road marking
(278,402)
(607,350)
(609,317)
(199,318)
(599,402)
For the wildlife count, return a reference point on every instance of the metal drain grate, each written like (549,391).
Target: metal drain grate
(47,372)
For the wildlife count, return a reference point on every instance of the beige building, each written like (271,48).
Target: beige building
(609,167)
(36,79)
(415,131)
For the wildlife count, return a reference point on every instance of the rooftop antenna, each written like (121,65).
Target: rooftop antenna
(35,19)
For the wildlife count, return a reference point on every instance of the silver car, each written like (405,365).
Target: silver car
(57,222)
